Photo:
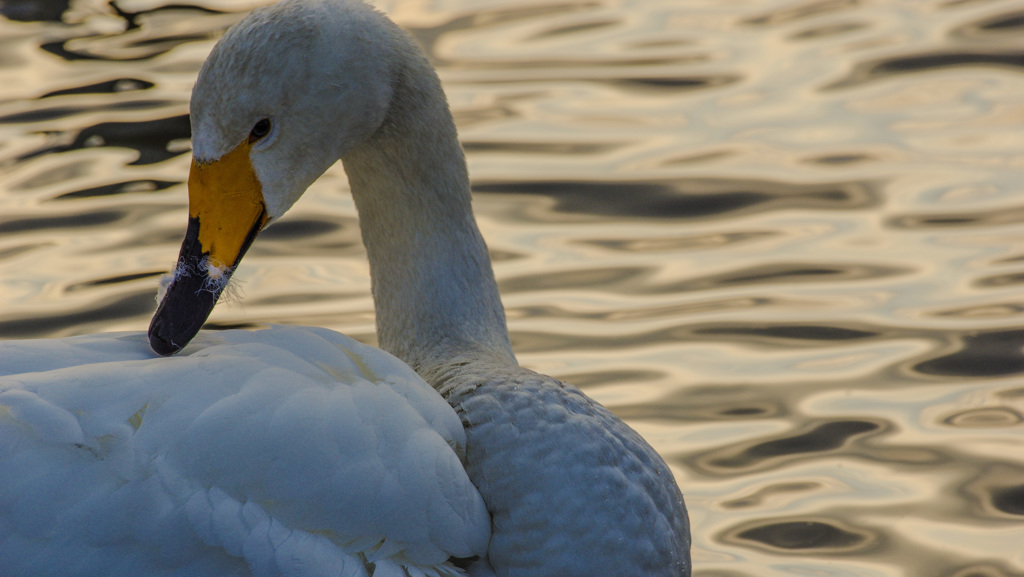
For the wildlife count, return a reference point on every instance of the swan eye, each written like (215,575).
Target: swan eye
(259,130)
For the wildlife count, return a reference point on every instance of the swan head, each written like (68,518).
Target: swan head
(283,95)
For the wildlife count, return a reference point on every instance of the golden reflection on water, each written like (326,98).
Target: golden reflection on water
(780,238)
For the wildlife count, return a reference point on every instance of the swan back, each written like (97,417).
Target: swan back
(285,451)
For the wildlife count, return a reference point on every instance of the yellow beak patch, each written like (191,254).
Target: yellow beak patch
(226,198)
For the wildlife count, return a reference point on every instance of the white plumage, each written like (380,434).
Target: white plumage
(299,452)
(284,451)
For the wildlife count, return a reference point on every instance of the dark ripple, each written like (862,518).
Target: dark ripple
(779,273)
(128,187)
(599,378)
(692,241)
(826,30)
(981,354)
(557,148)
(117,85)
(884,68)
(670,84)
(992,310)
(138,304)
(823,536)
(701,157)
(824,437)
(812,441)
(33,10)
(985,418)
(10,226)
(146,35)
(532,341)
(994,492)
(155,48)
(305,298)
(994,217)
(794,272)
(790,332)
(576,28)
(622,278)
(498,255)
(691,198)
(759,497)
(40,114)
(651,83)
(1000,280)
(575,64)
(307,236)
(780,336)
(644,313)
(1004,22)
(134,20)
(298,228)
(126,216)
(983,569)
(54,174)
(801,11)
(429,36)
(721,402)
(992,26)
(1009,259)
(841,159)
(111,280)
(149,137)
(13,251)
(1009,499)
(465,117)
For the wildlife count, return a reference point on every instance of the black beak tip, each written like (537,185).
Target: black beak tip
(180,315)
(190,297)
(161,344)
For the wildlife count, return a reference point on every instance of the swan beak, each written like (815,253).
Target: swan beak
(226,212)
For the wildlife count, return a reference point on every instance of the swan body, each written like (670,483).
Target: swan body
(570,490)
(284,451)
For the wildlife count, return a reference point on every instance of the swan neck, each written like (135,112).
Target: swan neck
(433,287)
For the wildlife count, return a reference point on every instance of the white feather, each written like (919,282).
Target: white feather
(242,453)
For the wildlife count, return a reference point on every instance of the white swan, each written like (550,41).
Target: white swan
(286,451)
(296,451)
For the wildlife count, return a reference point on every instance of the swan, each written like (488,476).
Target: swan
(286,451)
(297,451)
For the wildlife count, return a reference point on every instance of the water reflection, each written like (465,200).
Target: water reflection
(702,198)
(823,536)
(106,87)
(147,34)
(128,187)
(92,317)
(981,354)
(871,71)
(723,402)
(780,238)
(152,139)
(817,438)
(985,418)
(33,10)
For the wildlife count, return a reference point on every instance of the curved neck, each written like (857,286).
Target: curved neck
(434,291)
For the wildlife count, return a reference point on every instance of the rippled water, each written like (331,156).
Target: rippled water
(782,239)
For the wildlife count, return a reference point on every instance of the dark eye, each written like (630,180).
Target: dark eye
(259,130)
